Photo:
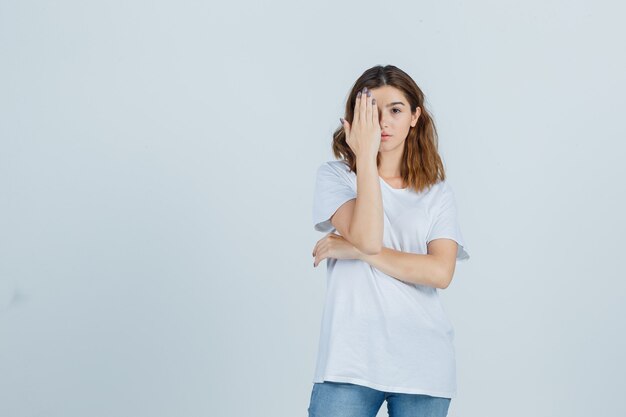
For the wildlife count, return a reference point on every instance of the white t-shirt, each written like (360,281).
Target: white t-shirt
(376,330)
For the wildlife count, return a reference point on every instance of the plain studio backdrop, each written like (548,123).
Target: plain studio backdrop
(157,165)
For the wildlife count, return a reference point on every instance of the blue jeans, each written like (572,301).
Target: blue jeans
(340,399)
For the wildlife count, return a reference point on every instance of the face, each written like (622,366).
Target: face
(395,117)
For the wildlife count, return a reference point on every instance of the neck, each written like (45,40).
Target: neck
(390,163)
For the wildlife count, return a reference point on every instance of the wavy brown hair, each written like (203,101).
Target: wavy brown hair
(421,165)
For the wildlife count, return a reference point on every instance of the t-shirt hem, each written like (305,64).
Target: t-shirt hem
(386,388)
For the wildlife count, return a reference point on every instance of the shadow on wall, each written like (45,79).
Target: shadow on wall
(10,296)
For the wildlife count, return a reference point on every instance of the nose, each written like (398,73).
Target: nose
(381,119)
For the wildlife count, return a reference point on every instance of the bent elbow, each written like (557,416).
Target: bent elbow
(445,281)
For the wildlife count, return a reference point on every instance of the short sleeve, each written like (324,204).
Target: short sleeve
(445,223)
(332,189)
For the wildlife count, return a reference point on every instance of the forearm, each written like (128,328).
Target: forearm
(366,224)
(409,267)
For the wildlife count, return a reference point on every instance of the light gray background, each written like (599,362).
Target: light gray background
(157,167)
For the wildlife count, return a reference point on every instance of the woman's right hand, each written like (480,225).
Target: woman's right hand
(363,137)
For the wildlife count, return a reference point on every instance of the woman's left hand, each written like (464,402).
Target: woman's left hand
(334,246)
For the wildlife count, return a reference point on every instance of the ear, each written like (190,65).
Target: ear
(415,116)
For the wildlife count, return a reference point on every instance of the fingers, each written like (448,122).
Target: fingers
(320,254)
(368,107)
(363,107)
(375,120)
(316,247)
(320,251)
(319,242)
(357,109)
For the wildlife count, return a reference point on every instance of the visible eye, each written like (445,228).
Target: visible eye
(395,108)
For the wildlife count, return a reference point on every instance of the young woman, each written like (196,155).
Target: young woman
(384,334)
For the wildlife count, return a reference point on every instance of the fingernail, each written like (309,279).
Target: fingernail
(373,101)
(358,95)
(369,93)
(341,120)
